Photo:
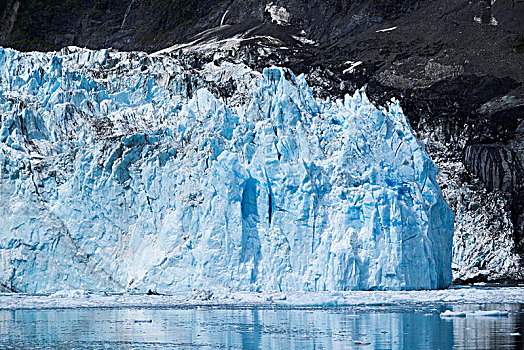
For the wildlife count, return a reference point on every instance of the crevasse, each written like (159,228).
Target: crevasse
(123,171)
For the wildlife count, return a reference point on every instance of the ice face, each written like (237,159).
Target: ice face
(123,171)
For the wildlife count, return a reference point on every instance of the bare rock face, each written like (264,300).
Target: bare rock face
(457,68)
(153,25)
(498,167)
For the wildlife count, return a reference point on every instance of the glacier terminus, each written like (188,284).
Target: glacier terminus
(129,172)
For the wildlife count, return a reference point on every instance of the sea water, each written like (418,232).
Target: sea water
(243,327)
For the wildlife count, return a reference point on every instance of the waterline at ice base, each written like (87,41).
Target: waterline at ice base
(130,172)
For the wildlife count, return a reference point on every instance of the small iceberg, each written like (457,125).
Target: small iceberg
(469,314)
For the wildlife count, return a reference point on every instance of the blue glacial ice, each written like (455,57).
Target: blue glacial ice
(127,171)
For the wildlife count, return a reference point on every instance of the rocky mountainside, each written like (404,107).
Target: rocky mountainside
(456,66)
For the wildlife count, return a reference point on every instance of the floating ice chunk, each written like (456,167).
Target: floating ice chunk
(491,313)
(479,313)
(449,313)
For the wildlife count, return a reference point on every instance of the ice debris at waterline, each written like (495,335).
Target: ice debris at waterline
(452,297)
(123,171)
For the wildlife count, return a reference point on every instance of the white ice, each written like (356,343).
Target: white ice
(457,299)
(126,172)
(478,313)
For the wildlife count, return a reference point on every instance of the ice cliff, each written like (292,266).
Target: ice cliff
(128,171)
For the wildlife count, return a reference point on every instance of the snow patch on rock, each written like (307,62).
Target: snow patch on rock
(278,14)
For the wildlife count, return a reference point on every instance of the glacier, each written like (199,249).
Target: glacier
(129,172)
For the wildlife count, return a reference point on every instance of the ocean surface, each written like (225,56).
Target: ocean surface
(263,327)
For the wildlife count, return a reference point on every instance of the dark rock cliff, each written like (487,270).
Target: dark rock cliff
(457,67)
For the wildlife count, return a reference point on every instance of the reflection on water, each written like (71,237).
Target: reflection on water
(262,328)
